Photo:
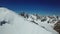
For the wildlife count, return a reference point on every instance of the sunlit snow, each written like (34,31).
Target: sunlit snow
(16,24)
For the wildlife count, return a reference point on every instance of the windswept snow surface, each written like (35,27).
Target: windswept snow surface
(18,25)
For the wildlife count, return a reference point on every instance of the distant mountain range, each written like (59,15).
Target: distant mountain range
(54,20)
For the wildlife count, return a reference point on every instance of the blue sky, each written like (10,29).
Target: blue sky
(44,7)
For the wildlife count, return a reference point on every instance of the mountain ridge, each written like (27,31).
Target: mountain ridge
(12,23)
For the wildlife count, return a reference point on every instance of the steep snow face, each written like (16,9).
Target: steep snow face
(16,24)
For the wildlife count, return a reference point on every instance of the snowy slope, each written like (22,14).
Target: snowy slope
(16,24)
(44,24)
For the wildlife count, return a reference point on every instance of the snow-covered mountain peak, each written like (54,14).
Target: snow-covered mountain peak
(3,8)
(12,23)
(4,11)
(6,14)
